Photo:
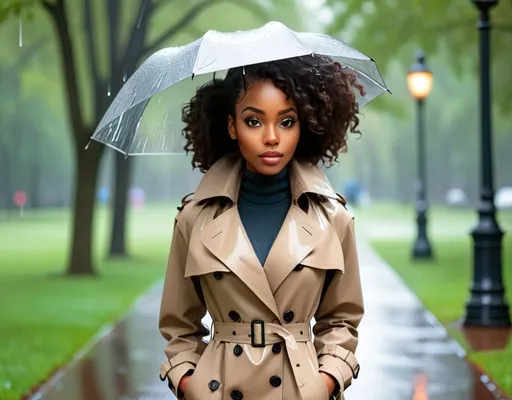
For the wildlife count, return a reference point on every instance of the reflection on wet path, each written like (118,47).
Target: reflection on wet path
(404,353)
(123,365)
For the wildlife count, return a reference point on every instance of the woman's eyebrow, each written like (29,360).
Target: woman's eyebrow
(287,111)
(258,111)
(253,109)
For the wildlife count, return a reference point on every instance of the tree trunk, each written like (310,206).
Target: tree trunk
(122,172)
(81,258)
(6,180)
(132,54)
(35,174)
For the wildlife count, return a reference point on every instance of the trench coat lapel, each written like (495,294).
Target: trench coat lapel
(303,238)
(297,238)
(227,240)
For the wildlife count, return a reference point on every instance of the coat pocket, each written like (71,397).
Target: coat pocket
(321,387)
(313,359)
(206,381)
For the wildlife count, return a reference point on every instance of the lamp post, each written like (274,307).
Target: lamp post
(487,305)
(419,81)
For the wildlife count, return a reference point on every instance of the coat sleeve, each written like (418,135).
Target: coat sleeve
(338,316)
(181,311)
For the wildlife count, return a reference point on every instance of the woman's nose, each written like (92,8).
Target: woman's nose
(271,138)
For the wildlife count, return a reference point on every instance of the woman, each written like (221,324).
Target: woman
(265,244)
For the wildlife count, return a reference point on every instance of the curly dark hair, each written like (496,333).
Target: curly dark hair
(321,88)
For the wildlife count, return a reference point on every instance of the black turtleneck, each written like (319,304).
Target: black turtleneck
(263,202)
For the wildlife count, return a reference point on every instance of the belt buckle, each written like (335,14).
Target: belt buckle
(262,325)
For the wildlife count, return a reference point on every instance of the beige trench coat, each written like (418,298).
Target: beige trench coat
(261,346)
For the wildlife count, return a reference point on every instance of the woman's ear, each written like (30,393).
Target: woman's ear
(231,127)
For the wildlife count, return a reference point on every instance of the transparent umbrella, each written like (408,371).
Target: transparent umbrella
(145,116)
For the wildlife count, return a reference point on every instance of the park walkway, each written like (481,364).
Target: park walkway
(404,353)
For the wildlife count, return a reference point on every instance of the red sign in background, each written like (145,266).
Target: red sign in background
(20,198)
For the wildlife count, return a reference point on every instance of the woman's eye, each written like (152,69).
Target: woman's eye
(288,123)
(252,122)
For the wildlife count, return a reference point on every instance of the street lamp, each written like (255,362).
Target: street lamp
(419,81)
(487,305)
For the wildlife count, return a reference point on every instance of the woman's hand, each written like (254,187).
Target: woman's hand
(183,383)
(329,382)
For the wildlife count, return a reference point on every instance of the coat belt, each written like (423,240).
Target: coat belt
(261,334)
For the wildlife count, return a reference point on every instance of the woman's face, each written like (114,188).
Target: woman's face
(266,126)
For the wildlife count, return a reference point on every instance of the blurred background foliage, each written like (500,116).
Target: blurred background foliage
(39,156)
(44,129)
(31,75)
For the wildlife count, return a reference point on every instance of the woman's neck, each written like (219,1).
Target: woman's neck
(259,189)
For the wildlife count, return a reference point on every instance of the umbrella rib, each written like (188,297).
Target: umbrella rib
(140,101)
(138,124)
(111,146)
(205,66)
(369,78)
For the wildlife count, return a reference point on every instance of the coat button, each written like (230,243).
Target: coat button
(275,381)
(213,385)
(288,316)
(298,267)
(235,317)
(237,351)
(276,348)
(217,275)
(237,395)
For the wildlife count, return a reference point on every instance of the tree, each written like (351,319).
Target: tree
(189,21)
(383,29)
(121,58)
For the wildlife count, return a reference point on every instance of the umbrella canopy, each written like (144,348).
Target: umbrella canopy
(125,126)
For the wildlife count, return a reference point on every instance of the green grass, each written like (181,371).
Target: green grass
(47,317)
(443,284)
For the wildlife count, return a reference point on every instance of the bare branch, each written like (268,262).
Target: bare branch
(174,29)
(47,5)
(89,43)
(194,12)
(57,12)
(113,23)
(133,49)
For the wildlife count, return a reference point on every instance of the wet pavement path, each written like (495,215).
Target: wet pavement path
(404,353)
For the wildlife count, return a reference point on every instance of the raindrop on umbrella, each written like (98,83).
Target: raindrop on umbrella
(124,77)
(20,32)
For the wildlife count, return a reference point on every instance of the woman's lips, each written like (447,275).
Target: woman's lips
(271,157)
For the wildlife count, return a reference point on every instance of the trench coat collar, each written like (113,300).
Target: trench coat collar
(224,177)
(226,239)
